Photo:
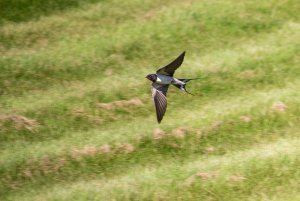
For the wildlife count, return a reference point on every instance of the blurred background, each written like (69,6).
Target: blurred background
(77,120)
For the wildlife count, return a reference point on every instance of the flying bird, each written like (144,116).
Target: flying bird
(160,84)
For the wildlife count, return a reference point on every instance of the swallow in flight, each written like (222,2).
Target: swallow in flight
(160,84)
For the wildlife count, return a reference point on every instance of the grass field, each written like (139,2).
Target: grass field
(77,120)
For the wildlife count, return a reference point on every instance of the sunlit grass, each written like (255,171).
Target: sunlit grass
(236,139)
(280,159)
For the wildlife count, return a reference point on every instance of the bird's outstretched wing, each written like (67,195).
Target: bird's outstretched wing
(160,100)
(169,69)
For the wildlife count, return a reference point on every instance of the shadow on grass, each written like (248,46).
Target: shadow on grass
(25,10)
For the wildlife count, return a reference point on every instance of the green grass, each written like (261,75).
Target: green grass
(57,60)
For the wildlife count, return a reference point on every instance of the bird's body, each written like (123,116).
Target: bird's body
(164,79)
(160,84)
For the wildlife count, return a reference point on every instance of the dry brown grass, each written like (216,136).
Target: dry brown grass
(90,151)
(125,148)
(108,72)
(210,149)
(179,133)
(236,178)
(279,107)
(134,102)
(44,165)
(158,134)
(105,149)
(202,175)
(212,128)
(247,74)
(79,112)
(20,122)
(47,165)
(245,119)
(206,175)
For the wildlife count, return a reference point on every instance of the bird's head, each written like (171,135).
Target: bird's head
(152,77)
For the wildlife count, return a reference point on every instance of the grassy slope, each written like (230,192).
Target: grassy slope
(55,62)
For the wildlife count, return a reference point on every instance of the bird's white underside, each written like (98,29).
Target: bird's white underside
(163,79)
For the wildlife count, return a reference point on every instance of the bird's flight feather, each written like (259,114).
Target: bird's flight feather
(171,67)
(160,100)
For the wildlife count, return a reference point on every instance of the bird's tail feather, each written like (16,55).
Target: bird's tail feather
(187,80)
(182,87)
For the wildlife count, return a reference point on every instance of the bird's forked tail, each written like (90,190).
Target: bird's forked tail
(182,87)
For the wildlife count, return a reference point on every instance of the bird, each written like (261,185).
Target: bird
(160,84)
